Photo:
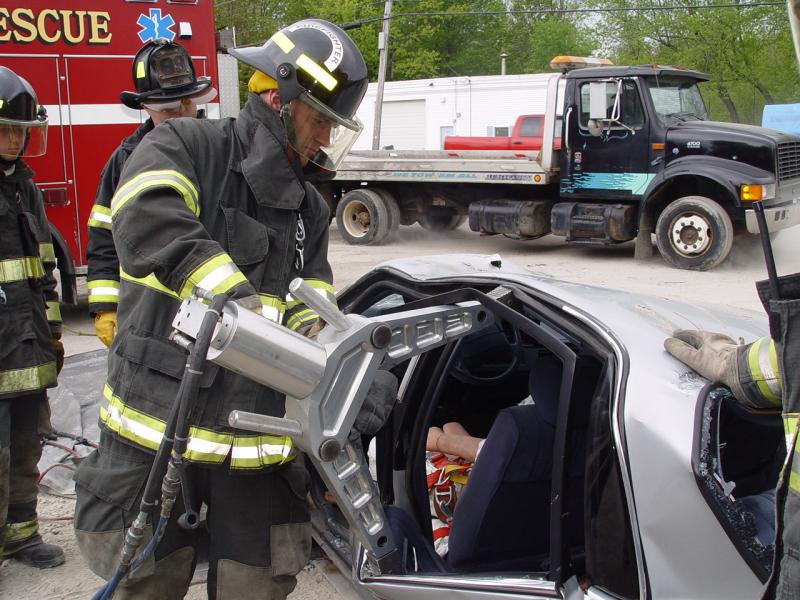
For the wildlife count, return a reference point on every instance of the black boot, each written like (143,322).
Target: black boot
(35,552)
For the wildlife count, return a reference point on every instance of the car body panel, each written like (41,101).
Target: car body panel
(685,551)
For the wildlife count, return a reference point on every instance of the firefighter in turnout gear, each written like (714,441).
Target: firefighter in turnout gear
(166,87)
(224,206)
(754,374)
(30,322)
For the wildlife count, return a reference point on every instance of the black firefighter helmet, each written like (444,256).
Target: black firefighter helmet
(162,72)
(316,62)
(23,122)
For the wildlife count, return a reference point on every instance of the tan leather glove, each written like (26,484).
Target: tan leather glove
(315,328)
(713,355)
(58,346)
(105,326)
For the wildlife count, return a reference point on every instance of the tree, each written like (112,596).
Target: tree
(747,51)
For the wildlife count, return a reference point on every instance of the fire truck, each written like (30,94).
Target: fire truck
(77,55)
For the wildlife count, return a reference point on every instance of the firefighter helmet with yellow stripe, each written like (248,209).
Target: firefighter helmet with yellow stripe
(316,61)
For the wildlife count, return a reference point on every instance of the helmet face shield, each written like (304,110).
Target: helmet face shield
(320,136)
(20,139)
(342,139)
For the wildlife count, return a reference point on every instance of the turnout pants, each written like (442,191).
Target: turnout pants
(784,322)
(257,526)
(22,421)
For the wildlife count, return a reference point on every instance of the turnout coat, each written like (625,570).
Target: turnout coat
(29,312)
(214,204)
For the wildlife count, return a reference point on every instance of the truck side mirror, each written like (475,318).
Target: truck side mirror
(598,107)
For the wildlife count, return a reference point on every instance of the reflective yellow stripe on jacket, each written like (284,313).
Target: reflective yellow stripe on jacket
(103,290)
(27,379)
(206,446)
(100,217)
(47,253)
(154,179)
(297,314)
(218,274)
(762,361)
(53,311)
(791,421)
(18,269)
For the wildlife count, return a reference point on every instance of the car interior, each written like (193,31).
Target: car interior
(545,498)
(537,389)
(737,459)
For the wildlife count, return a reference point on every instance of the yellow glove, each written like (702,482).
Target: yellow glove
(105,325)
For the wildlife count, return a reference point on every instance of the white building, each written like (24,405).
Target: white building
(419,113)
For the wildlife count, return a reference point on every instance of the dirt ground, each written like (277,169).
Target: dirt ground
(613,266)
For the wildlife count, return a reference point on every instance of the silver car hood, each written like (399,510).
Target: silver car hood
(686,550)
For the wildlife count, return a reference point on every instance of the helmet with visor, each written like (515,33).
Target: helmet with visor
(23,122)
(316,63)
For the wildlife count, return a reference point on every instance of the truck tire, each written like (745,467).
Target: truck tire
(393,208)
(441,222)
(694,233)
(362,217)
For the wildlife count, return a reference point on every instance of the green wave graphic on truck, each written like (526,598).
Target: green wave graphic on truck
(635,183)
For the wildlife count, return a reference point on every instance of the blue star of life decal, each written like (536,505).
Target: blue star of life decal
(155,26)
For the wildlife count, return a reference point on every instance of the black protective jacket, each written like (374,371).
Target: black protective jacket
(214,204)
(103,277)
(784,324)
(29,313)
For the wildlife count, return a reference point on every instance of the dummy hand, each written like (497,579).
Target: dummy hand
(713,355)
(105,326)
(59,348)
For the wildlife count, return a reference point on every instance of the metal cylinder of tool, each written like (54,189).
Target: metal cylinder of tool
(324,308)
(259,349)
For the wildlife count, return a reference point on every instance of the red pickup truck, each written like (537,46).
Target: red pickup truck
(526,135)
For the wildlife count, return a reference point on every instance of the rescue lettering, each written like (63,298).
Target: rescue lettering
(49,26)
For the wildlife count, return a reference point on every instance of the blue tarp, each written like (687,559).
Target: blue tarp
(783,117)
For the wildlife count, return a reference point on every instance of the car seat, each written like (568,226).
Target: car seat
(502,519)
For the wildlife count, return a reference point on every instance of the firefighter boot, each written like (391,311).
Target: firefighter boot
(34,552)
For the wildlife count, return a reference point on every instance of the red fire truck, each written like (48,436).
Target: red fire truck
(77,55)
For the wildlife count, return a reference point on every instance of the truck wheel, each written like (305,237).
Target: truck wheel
(694,233)
(442,222)
(393,208)
(362,217)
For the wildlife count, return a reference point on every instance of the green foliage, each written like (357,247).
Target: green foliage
(748,52)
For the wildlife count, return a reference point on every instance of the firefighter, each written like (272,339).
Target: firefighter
(166,87)
(753,372)
(30,322)
(225,206)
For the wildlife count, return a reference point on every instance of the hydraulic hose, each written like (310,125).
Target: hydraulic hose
(165,473)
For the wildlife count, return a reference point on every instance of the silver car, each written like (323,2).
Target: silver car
(624,475)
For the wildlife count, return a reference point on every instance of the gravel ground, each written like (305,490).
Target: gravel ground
(612,266)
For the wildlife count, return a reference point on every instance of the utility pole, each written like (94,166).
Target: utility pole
(383,52)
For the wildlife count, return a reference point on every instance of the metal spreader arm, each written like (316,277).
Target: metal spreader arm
(325,382)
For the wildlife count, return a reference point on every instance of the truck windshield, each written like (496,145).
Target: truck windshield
(677,98)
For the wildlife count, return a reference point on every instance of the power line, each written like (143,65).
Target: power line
(546,11)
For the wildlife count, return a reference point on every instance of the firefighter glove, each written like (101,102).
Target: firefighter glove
(315,328)
(712,355)
(105,325)
(58,346)
(377,405)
